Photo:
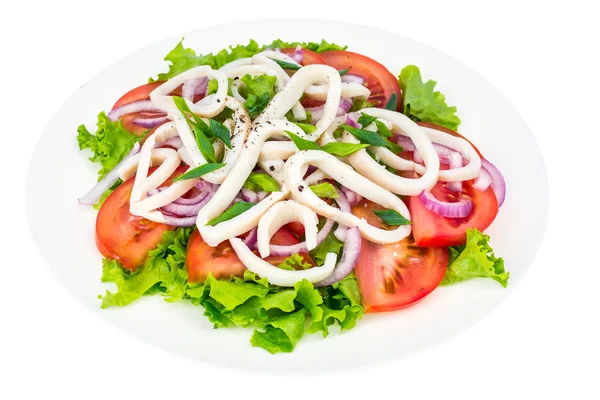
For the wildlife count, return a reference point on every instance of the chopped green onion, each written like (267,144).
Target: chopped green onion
(261,181)
(199,171)
(343,149)
(392,103)
(391,217)
(232,212)
(219,130)
(287,65)
(325,189)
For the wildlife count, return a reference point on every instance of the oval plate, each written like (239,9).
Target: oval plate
(64,230)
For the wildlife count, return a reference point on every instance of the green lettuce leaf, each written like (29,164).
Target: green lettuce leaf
(109,145)
(330,245)
(422,103)
(181,58)
(164,272)
(279,315)
(294,262)
(316,47)
(258,90)
(475,259)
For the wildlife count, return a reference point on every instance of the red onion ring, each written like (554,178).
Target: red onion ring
(406,143)
(350,255)
(133,107)
(94,195)
(352,197)
(460,209)
(498,184)
(194,87)
(249,195)
(150,122)
(352,122)
(251,239)
(353,78)
(298,55)
(316,113)
(345,104)
(278,250)
(177,214)
(180,221)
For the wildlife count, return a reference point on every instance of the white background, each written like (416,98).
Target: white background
(542,341)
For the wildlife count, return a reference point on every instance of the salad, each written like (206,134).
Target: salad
(287,188)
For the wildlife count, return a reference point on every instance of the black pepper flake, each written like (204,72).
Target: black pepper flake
(218,100)
(300,188)
(272,168)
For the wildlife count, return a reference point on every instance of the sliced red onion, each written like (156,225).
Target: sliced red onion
(460,209)
(150,122)
(251,239)
(94,195)
(316,113)
(180,221)
(345,104)
(498,184)
(183,211)
(298,55)
(456,161)
(483,180)
(193,87)
(192,200)
(343,199)
(352,122)
(133,107)
(352,78)
(406,143)
(445,153)
(249,195)
(350,255)
(278,250)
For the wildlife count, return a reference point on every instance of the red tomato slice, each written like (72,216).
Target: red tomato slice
(201,259)
(139,93)
(431,229)
(310,57)
(379,80)
(123,236)
(398,275)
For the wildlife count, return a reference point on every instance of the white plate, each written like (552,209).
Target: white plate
(64,230)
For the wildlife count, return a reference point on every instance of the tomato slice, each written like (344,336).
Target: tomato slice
(431,229)
(123,236)
(379,80)
(222,262)
(136,94)
(310,57)
(398,275)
